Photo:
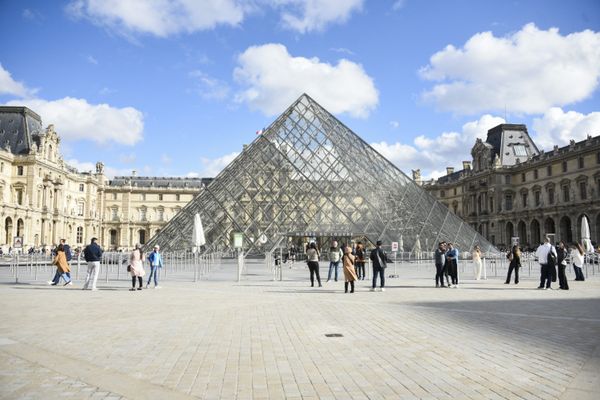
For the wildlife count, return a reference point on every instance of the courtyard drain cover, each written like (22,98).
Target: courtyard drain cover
(334,335)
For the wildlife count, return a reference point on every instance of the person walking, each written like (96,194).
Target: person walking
(335,254)
(577,255)
(69,257)
(452,256)
(60,260)
(155,259)
(359,261)
(348,261)
(92,254)
(514,256)
(477,262)
(561,263)
(546,255)
(137,267)
(440,260)
(378,258)
(312,259)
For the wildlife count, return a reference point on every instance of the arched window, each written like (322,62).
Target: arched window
(142,236)
(8,230)
(113,237)
(20,228)
(80,234)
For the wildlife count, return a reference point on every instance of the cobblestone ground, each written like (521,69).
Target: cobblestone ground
(260,339)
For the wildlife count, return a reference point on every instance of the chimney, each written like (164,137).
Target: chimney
(449,170)
(466,165)
(134,173)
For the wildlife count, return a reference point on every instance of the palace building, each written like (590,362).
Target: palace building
(512,189)
(44,199)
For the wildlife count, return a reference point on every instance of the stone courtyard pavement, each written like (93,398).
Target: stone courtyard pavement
(260,339)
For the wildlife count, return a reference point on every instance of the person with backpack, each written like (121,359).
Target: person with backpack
(546,255)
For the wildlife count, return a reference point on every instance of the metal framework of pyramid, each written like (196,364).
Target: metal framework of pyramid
(308,174)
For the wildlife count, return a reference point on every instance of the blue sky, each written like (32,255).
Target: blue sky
(175,88)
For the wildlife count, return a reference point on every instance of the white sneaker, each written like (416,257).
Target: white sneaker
(147,284)
(94,289)
(383,289)
(157,287)
(50,282)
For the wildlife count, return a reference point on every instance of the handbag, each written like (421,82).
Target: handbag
(129,268)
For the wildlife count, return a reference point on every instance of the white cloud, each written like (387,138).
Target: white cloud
(342,50)
(127,158)
(315,15)
(8,86)
(210,88)
(76,119)
(557,127)
(91,60)
(86,166)
(447,149)
(212,166)
(274,79)
(394,124)
(398,5)
(159,17)
(528,71)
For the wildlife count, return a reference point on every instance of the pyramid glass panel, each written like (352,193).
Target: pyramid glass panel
(309,175)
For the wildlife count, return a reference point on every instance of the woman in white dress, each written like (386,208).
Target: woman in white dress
(477,262)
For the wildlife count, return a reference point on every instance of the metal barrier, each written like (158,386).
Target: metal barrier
(183,266)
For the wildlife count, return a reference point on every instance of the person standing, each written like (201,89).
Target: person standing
(378,258)
(577,255)
(546,254)
(312,259)
(335,254)
(514,256)
(349,273)
(452,256)
(92,254)
(155,259)
(440,261)
(60,260)
(359,261)
(137,267)
(477,262)
(561,263)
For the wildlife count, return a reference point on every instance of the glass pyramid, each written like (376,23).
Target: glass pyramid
(308,175)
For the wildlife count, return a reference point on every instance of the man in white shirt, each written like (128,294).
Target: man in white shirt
(542,256)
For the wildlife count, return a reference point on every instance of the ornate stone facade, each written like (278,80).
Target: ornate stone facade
(44,199)
(515,190)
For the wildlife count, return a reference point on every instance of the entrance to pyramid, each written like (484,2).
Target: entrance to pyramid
(309,176)
(296,243)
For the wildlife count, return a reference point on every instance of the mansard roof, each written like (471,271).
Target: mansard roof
(159,182)
(20,128)
(512,143)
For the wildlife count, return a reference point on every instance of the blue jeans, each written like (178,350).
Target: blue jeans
(66,276)
(333,265)
(153,271)
(381,272)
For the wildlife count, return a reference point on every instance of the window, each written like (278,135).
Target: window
(160,215)
(113,237)
(143,196)
(549,170)
(535,174)
(455,191)
(520,150)
(160,197)
(581,163)
(114,196)
(114,216)
(551,195)
(564,166)
(536,198)
(2,166)
(142,214)
(524,199)
(523,177)
(177,197)
(491,205)
(80,209)
(80,234)
(598,158)
(565,192)
(142,237)
(81,187)
(442,193)
(20,170)
(508,202)
(583,190)
(507,179)
(19,197)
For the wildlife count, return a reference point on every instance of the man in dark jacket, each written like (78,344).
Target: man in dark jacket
(440,262)
(378,258)
(93,255)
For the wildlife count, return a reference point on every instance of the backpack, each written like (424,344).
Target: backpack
(551,261)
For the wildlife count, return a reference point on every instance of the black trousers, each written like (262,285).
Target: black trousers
(360,269)
(381,272)
(133,281)
(512,267)
(546,276)
(313,267)
(453,264)
(439,274)
(578,273)
(562,277)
